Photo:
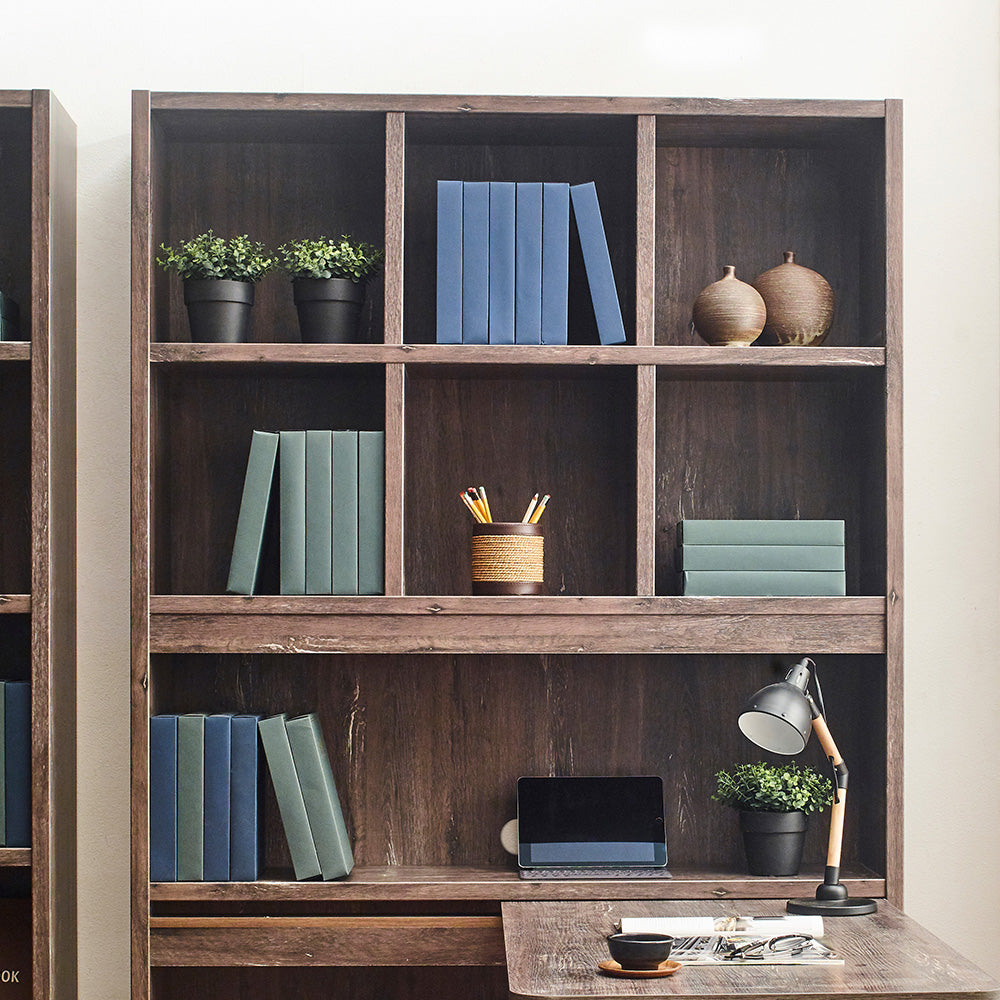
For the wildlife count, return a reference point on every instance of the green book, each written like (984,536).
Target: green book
(319,505)
(292,462)
(371,512)
(345,512)
(733,532)
(3,766)
(326,819)
(761,557)
(190,798)
(249,542)
(291,805)
(739,583)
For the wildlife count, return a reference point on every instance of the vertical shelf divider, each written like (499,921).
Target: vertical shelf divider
(645,486)
(645,231)
(395,139)
(395,386)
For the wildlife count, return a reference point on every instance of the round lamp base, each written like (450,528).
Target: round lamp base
(832,907)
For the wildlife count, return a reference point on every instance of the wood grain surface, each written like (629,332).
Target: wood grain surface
(553,950)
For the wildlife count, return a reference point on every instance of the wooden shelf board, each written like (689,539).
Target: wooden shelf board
(219,624)
(15,350)
(706,359)
(15,604)
(466,884)
(15,857)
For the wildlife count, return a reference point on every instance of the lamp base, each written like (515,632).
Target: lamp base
(847,907)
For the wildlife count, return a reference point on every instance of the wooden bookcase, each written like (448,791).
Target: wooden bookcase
(433,701)
(38,506)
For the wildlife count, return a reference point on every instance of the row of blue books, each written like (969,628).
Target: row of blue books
(15,764)
(761,558)
(206,804)
(331,516)
(503,262)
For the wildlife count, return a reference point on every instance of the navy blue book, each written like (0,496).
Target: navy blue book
(528,265)
(246,826)
(17,762)
(163,798)
(502,207)
(218,730)
(555,263)
(476,262)
(449,262)
(597,262)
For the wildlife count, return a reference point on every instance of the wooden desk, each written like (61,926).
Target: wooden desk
(553,950)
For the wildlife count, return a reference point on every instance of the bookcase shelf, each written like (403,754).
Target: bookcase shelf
(433,702)
(38,510)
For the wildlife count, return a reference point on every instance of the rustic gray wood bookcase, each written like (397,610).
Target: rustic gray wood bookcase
(433,701)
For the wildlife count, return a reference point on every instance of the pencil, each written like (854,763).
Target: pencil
(468,503)
(539,509)
(477,503)
(486,503)
(531,507)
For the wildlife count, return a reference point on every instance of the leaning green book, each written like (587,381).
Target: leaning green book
(249,541)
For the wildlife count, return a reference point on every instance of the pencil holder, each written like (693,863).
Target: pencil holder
(507,558)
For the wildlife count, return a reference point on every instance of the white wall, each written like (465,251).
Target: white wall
(943,62)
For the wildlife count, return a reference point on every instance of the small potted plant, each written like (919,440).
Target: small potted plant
(774,801)
(328,283)
(219,276)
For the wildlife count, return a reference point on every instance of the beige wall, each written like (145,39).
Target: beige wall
(943,63)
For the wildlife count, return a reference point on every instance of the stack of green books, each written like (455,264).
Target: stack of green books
(733,558)
(331,517)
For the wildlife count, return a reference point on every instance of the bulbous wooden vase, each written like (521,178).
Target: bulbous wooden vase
(799,303)
(729,312)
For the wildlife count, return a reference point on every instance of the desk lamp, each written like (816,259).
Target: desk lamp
(779,718)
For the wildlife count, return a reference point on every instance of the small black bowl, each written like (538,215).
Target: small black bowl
(639,951)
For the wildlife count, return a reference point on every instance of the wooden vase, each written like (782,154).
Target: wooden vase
(729,312)
(799,303)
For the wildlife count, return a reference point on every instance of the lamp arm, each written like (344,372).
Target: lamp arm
(835,844)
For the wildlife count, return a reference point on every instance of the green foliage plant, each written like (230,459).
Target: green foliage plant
(209,256)
(763,787)
(330,258)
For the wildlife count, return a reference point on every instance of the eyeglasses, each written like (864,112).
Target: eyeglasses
(784,945)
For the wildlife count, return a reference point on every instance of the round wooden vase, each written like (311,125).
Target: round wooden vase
(729,312)
(799,303)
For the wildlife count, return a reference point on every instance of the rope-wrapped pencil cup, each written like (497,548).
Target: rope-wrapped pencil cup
(507,558)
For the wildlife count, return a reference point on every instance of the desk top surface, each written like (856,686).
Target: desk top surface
(553,949)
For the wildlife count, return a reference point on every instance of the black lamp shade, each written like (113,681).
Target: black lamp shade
(778,717)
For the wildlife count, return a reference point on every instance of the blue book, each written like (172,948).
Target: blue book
(218,736)
(371,512)
(190,797)
(345,512)
(476,262)
(528,265)
(163,798)
(246,826)
(502,206)
(555,263)
(597,262)
(449,262)
(319,504)
(17,763)
(292,463)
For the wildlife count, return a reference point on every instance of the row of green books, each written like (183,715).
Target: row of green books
(503,262)
(15,764)
(331,496)
(761,558)
(206,804)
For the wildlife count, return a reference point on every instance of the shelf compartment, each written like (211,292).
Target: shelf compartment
(786,448)
(764,362)
(201,425)
(15,483)
(745,196)
(573,437)
(275,177)
(408,884)
(443,624)
(394,724)
(15,224)
(501,147)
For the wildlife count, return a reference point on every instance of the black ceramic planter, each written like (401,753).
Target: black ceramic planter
(773,841)
(329,309)
(218,309)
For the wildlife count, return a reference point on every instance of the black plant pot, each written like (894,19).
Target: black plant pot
(329,309)
(773,841)
(218,309)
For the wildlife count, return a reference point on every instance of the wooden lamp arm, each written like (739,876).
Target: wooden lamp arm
(835,845)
